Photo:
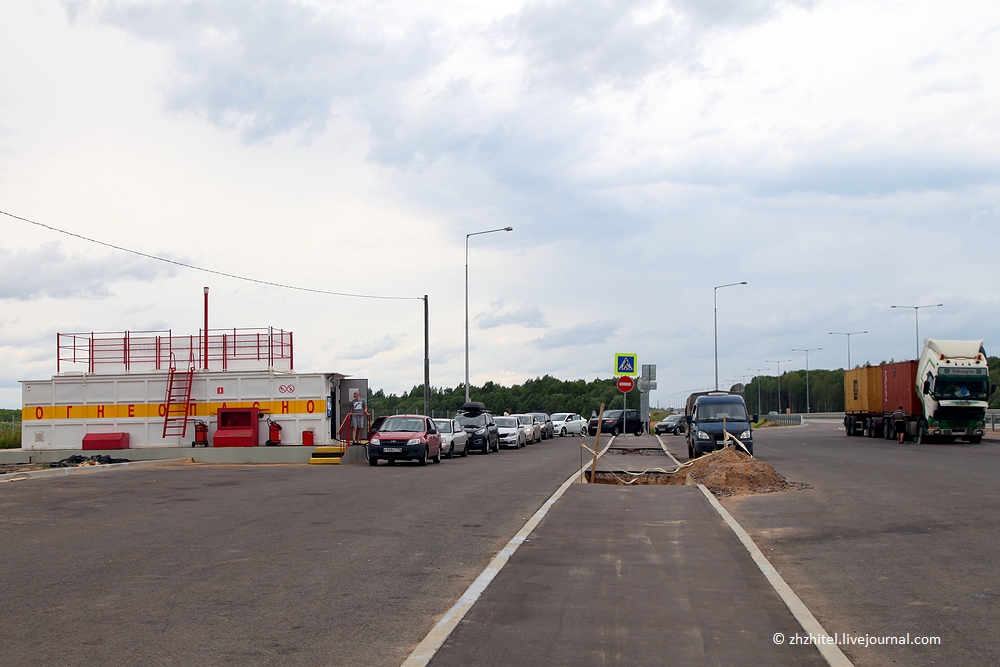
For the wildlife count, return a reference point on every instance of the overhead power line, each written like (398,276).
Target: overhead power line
(205,270)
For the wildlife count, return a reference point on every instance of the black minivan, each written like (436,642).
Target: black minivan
(478,423)
(705,417)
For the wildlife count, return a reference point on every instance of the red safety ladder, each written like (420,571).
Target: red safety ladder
(178,402)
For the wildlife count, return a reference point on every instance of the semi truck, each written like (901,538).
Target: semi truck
(943,395)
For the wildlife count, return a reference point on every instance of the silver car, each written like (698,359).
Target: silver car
(532,427)
(511,432)
(454,439)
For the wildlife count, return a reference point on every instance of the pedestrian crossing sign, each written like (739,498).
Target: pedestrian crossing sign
(625,363)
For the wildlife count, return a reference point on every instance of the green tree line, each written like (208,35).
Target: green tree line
(546,394)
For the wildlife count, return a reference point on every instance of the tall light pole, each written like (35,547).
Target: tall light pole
(807,350)
(779,362)
(848,334)
(467,236)
(757,378)
(916,318)
(715,296)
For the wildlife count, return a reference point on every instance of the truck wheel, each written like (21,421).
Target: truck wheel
(373,461)
(615,431)
(921,435)
(422,461)
(849,425)
(975,439)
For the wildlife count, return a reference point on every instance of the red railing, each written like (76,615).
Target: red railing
(117,351)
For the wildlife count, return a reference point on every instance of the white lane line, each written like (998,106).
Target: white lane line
(667,452)
(830,651)
(426,649)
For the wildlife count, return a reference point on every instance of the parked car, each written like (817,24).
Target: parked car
(568,423)
(479,425)
(704,417)
(374,427)
(613,422)
(454,439)
(548,429)
(531,426)
(671,424)
(512,433)
(405,437)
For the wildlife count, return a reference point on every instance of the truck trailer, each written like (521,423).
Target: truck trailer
(943,395)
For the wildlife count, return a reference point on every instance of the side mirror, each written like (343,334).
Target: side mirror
(756,418)
(927,387)
(688,419)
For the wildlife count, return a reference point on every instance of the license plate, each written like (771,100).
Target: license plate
(392,450)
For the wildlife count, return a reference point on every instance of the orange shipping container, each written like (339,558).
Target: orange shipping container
(863,390)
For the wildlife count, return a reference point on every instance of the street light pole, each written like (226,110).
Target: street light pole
(848,334)
(757,378)
(715,296)
(916,319)
(807,350)
(467,236)
(778,362)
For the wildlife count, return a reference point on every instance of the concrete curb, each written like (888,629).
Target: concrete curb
(83,470)
(830,651)
(426,649)
(667,452)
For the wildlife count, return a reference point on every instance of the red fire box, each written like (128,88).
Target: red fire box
(105,441)
(238,427)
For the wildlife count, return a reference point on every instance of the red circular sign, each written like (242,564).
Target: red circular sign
(625,384)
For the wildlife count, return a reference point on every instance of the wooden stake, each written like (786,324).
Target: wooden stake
(597,444)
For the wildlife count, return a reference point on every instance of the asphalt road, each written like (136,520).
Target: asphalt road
(256,565)
(891,539)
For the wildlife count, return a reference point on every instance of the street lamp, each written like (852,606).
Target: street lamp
(916,318)
(467,236)
(757,378)
(715,295)
(848,334)
(779,362)
(807,350)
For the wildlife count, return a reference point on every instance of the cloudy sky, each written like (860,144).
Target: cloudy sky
(841,156)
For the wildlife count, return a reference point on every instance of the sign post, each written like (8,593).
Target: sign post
(625,365)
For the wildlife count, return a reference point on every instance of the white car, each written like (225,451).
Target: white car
(532,427)
(454,439)
(511,432)
(568,423)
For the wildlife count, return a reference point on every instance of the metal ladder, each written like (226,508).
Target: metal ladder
(177,402)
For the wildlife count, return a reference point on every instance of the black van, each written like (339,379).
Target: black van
(478,423)
(615,423)
(705,414)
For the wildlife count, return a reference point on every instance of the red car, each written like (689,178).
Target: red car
(405,437)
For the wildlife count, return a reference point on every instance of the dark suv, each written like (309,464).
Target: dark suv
(614,423)
(705,416)
(478,423)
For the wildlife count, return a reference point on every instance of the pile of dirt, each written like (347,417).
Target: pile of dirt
(725,473)
(734,473)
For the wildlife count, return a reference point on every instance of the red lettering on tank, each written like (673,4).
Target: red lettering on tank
(39,412)
(284,407)
(68,408)
(100,411)
(224,404)
(161,409)
(131,409)
(311,407)
(256,404)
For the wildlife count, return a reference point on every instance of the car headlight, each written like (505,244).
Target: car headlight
(374,441)
(413,441)
(704,436)
(480,431)
(745,435)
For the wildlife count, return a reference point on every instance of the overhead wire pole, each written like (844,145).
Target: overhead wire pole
(757,379)
(807,350)
(848,334)
(249,280)
(779,362)
(487,231)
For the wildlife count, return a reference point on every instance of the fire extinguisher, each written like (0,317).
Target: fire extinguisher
(200,434)
(273,433)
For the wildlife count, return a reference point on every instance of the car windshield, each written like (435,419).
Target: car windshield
(612,414)
(716,411)
(674,418)
(443,425)
(506,422)
(559,417)
(540,416)
(471,420)
(525,419)
(403,425)
(964,390)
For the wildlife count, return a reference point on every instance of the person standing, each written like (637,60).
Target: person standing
(359,412)
(899,424)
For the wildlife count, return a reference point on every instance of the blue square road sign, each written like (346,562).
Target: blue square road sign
(625,363)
